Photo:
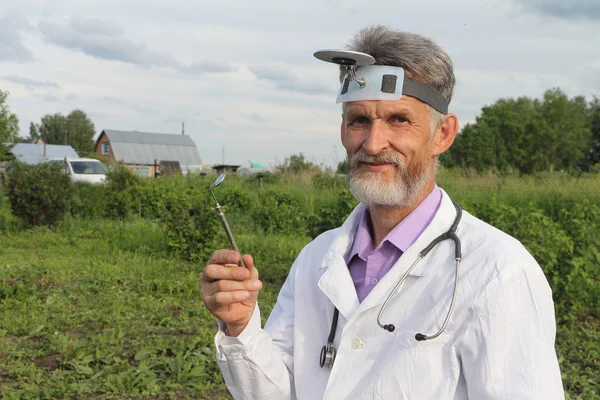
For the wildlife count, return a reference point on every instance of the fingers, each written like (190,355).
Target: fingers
(224,256)
(214,272)
(222,285)
(221,299)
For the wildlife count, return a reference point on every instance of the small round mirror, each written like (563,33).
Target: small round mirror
(219,180)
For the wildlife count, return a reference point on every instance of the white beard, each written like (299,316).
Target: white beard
(374,190)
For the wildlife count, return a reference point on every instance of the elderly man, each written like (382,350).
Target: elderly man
(411,298)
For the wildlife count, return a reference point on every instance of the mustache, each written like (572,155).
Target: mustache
(386,158)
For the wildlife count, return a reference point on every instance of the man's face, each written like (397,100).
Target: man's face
(390,151)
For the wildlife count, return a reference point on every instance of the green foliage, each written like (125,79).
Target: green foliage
(9,122)
(4,156)
(296,163)
(593,156)
(75,129)
(328,182)
(342,167)
(526,135)
(89,201)
(121,195)
(333,214)
(280,213)
(135,325)
(39,194)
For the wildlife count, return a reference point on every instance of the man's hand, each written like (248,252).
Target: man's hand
(229,291)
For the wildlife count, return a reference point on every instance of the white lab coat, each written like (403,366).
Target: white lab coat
(499,343)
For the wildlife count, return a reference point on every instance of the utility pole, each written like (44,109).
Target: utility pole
(45,139)
(223,155)
(183,128)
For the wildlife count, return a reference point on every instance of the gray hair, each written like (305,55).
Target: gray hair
(421,58)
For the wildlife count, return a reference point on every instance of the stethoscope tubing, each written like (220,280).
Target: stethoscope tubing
(328,352)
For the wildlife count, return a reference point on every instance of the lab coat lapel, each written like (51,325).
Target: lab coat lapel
(336,282)
(440,223)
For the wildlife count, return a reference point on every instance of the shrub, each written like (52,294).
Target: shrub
(191,228)
(89,200)
(280,213)
(333,214)
(122,201)
(39,194)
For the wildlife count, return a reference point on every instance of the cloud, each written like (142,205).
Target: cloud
(199,68)
(29,81)
(107,41)
(48,96)
(11,42)
(257,117)
(564,9)
(283,79)
(104,40)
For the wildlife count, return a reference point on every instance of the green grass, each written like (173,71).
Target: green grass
(98,308)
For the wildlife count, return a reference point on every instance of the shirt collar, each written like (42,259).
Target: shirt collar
(403,235)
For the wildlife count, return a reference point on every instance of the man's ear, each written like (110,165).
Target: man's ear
(445,134)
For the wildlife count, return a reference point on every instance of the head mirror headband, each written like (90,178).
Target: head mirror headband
(366,81)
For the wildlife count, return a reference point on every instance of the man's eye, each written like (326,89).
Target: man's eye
(400,120)
(360,121)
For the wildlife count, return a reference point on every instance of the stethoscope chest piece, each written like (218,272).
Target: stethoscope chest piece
(328,355)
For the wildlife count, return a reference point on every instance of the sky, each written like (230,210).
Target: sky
(241,74)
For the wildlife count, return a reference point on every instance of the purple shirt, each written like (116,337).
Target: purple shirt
(367,265)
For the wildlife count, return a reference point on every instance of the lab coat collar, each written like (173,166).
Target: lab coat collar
(336,281)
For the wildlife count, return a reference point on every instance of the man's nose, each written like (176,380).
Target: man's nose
(376,139)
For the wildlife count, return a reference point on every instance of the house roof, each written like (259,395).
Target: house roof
(34,153)
(144,148)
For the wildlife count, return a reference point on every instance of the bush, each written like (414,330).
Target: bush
(191,228)
(280,213)
(39,194)
(89,200)
(122,201)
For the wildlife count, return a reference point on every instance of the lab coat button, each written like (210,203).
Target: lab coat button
(374,281)
(356,344)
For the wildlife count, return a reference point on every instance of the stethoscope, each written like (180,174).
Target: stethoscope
(328,352)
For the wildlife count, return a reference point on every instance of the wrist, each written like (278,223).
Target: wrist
(235,329)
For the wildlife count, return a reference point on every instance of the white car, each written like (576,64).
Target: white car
(83,169)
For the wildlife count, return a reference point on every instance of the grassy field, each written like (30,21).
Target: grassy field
(101,308)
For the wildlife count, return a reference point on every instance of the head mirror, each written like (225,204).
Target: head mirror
(219,180)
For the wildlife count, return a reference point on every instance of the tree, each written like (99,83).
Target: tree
(9,122)
(296,163)
(566,134)
(593,156)
(527,135)
(75,130)
(34,133)
(342,167)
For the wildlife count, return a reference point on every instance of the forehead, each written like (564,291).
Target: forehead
(405,104)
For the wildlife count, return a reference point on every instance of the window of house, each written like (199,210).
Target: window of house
(105,148)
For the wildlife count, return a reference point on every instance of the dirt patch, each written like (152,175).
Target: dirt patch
(49,363)
(590,318)
(6,384)
(218,395)
(73,334)
(175,311)
(43,283)
(12,282)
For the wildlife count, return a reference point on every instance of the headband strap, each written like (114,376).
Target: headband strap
(366,81)
(426,93)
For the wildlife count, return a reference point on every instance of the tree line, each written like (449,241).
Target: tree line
(530,135)
(75,129)
(523,135)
